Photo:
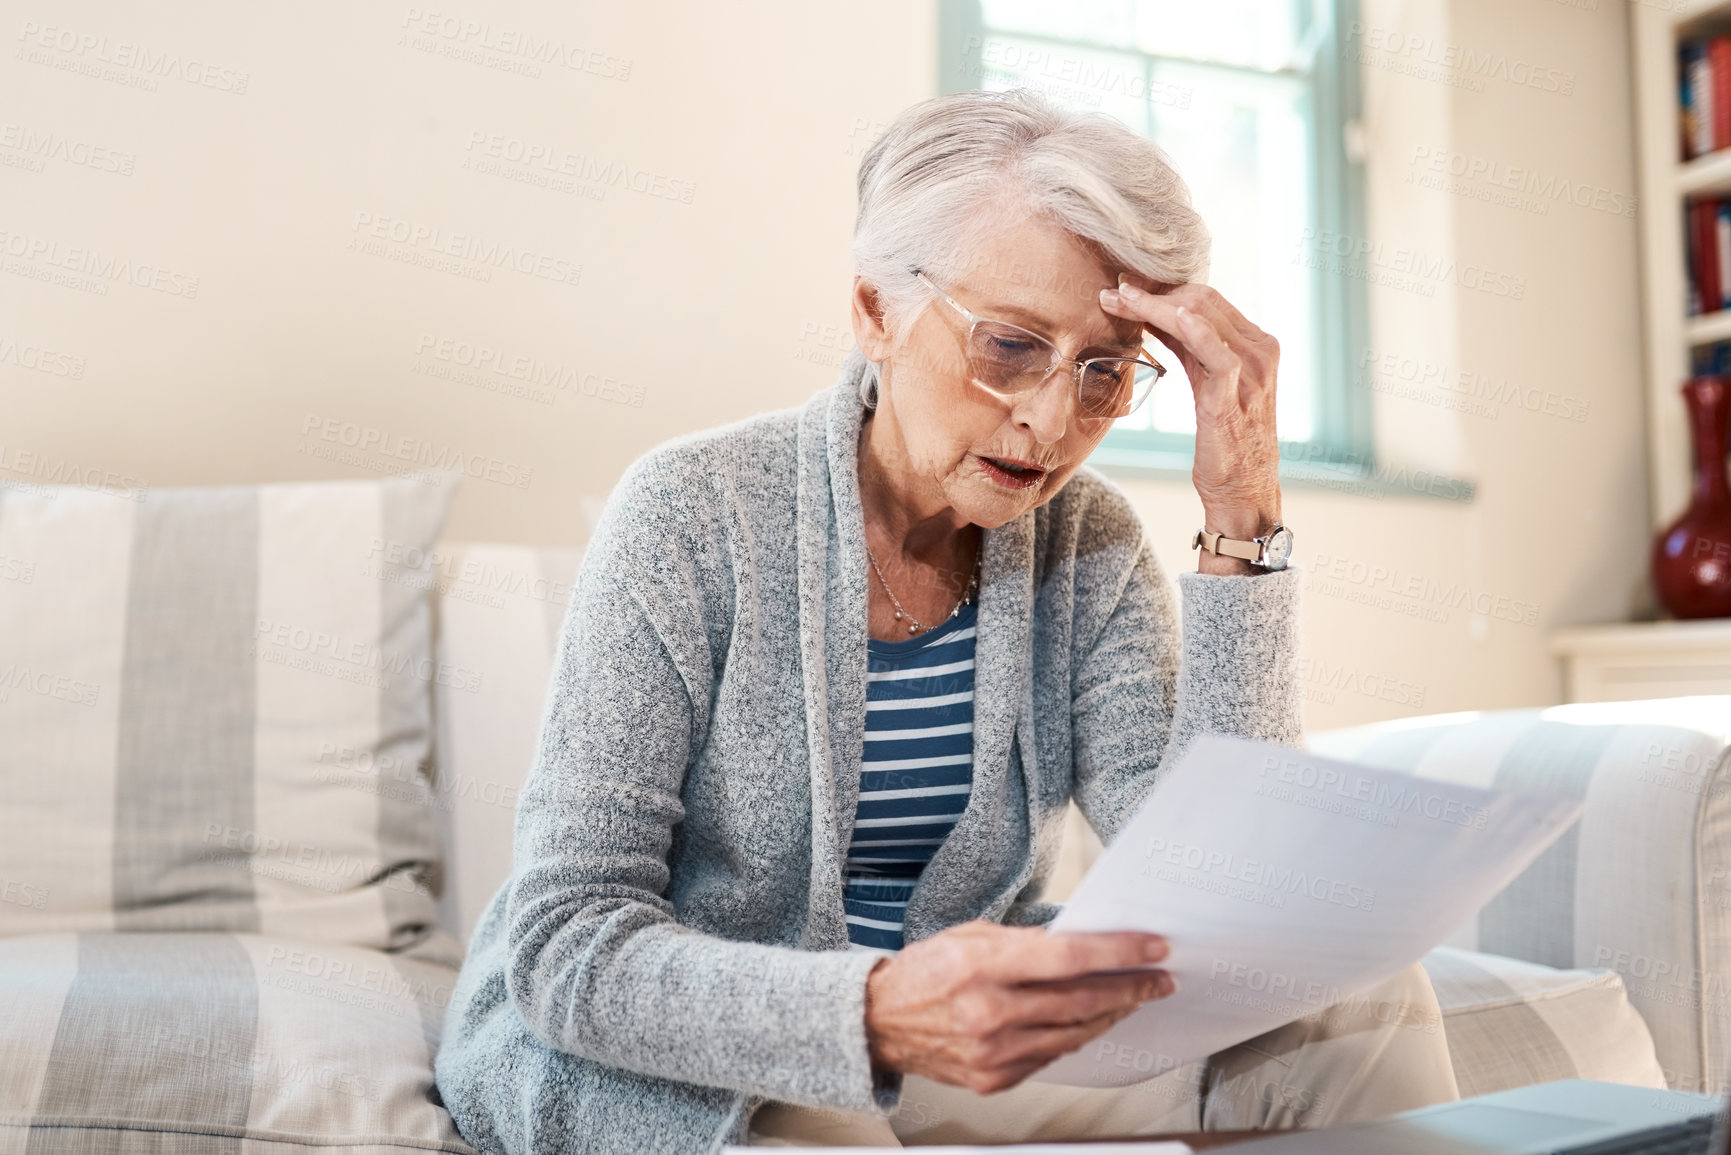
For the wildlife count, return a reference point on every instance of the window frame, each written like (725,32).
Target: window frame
(1340,453)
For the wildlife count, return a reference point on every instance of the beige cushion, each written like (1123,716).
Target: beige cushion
(499,610)
(215,710)
(194,1042)
(1511,1023)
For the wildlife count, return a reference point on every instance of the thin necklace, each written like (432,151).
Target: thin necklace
(916,627)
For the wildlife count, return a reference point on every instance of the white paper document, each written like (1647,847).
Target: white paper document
(1286,884)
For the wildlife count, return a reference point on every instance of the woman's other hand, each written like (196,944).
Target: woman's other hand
(984,1006)
(1232,366)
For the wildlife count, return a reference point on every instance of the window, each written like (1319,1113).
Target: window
(1250,100)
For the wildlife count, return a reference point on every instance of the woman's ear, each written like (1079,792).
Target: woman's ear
(869,331)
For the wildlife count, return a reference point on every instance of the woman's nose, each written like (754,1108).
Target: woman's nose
(1044,410)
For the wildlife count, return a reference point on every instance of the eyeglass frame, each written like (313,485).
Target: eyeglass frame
(974,319)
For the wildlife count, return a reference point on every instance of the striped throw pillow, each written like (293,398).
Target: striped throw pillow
(218,1042)
(1512,1024)
(214,710)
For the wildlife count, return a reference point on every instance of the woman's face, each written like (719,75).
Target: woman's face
(993,458)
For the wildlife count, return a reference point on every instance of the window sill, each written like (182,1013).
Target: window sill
(1375,482)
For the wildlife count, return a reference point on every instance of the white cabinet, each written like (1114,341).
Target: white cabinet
(1645,660)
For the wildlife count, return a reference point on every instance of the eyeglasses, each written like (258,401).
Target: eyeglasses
(1008,360)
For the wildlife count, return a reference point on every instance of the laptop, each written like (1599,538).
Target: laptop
(1572,1117)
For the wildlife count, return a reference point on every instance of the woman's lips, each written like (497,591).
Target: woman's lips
(1011,473)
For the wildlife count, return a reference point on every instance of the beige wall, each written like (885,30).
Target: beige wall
(236,308)
(739,122)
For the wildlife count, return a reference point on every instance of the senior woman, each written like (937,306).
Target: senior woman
(831,676)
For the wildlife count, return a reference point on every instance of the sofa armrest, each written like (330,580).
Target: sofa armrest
(1641,885)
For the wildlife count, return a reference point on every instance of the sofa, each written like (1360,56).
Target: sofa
(262,749)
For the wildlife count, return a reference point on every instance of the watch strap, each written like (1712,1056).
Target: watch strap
(1227,547)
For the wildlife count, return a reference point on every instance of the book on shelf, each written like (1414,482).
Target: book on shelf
(1695,97)
(1704,95)
(1719,84)
(1706,282)
(1688,123)
(1714,360)
(1722,248)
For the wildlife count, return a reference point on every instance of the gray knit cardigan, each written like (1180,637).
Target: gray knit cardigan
(670,952)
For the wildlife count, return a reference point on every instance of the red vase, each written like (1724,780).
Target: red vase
(1692,559)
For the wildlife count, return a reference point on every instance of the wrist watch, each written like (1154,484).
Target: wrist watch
(1269,552)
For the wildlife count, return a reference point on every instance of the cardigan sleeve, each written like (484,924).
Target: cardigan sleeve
(1224,661)
(598,966)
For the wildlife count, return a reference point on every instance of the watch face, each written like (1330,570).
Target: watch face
(1277,549)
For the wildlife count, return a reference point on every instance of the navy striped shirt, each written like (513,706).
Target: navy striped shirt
(916,774)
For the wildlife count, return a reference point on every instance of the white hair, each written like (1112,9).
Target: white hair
(952,168)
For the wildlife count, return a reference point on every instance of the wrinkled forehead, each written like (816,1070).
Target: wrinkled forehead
(1032,273)
(1062,310)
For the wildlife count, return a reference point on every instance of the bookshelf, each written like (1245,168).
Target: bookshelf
(1665,184)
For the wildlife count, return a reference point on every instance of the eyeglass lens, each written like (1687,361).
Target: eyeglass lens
(1012,360)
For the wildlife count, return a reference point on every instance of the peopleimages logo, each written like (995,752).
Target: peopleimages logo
(468,39)
(433,241)
(609,172)
(460,568)
(89,51)
(537,377)
(1414,592)
(41,359)
(417,451)
(1426,57)
(1666,980)
(23,894)
(1079,79)
(1319,675)
(1389,372)
(40,145)
(50,471)
(85,260)
(1399,267)
(290,637)
(1494,175)
(1257,873)
(1407,797)
(46,684)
